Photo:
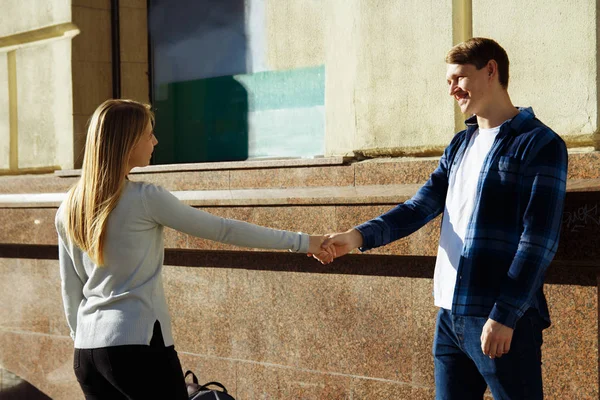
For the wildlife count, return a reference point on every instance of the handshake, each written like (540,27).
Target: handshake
(326,248)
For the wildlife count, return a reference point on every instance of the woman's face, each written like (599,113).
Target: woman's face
(142,151)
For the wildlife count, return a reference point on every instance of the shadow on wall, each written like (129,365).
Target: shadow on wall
(22,391)
(201,110)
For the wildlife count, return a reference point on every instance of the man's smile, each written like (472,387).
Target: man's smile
(461,96)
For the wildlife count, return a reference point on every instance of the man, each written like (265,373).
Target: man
(501,185)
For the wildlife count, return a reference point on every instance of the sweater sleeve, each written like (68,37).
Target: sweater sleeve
(70,282)
(165,209)
(71,287)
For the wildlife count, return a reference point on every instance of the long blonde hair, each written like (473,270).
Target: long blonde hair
(114,129)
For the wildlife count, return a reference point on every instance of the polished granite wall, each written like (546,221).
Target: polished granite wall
(275,325)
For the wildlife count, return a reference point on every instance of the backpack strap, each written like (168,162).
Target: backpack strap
(194,378)
(220,385)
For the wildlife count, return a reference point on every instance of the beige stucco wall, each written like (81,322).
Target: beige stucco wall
(294,31)
(385,85)
(24,15)
(41,74)
(44,103)
(4,115)
(60,83)
(91,65)
(342,31)
(385,91)
(134,50)
(554,59)
(92,60)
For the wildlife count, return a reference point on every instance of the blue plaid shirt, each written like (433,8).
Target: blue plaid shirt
(513,233)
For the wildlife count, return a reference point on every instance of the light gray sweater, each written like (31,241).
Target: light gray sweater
(118,303)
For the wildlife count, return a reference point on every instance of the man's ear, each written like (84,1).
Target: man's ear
(491,67)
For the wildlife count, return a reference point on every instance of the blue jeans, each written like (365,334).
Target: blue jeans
(462,371)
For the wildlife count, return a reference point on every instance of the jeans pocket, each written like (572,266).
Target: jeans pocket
(76,361)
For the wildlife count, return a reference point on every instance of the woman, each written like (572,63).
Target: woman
(111,253)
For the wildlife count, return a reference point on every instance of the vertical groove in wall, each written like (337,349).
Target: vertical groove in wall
(597,147)
(596,137)
(462,29)
(150,58)
(115,48)
(12,112)
(462,20)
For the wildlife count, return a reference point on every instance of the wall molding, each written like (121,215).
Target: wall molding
(37,37)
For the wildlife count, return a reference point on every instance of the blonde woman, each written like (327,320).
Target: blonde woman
(111,251)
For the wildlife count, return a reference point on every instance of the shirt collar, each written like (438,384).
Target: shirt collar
(525,114)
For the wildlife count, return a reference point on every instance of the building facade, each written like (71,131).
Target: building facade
(302,115)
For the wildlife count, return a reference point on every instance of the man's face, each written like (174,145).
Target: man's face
(469,86)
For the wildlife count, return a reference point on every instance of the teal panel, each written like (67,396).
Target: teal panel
(292,132)
(275,90)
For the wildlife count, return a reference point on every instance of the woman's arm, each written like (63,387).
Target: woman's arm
(71,286)
(165,209)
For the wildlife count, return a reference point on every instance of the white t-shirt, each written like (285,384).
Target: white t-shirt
(460,202)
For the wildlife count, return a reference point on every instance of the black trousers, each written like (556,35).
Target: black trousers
(131,372)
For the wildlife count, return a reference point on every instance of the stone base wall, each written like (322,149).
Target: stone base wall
(275,325)
(282,329)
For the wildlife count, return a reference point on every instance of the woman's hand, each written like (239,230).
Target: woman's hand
(324,255)
(342,243)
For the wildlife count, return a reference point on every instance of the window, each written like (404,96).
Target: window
(214,94)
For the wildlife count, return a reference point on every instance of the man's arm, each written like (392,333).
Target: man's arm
(403,219)
(546,176)
(410,216)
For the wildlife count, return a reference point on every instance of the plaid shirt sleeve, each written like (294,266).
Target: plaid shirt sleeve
(544,178)
(411,215)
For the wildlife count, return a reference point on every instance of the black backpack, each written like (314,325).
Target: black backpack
(203,392)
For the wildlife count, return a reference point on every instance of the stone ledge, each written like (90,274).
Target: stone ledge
(226,165)
(389,194)
(367,194)
(279,174)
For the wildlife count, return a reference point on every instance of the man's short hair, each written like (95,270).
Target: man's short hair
(479,51)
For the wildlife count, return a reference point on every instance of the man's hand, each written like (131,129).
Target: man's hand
(343,243)
(340,244)
(324,255)
(495,339)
